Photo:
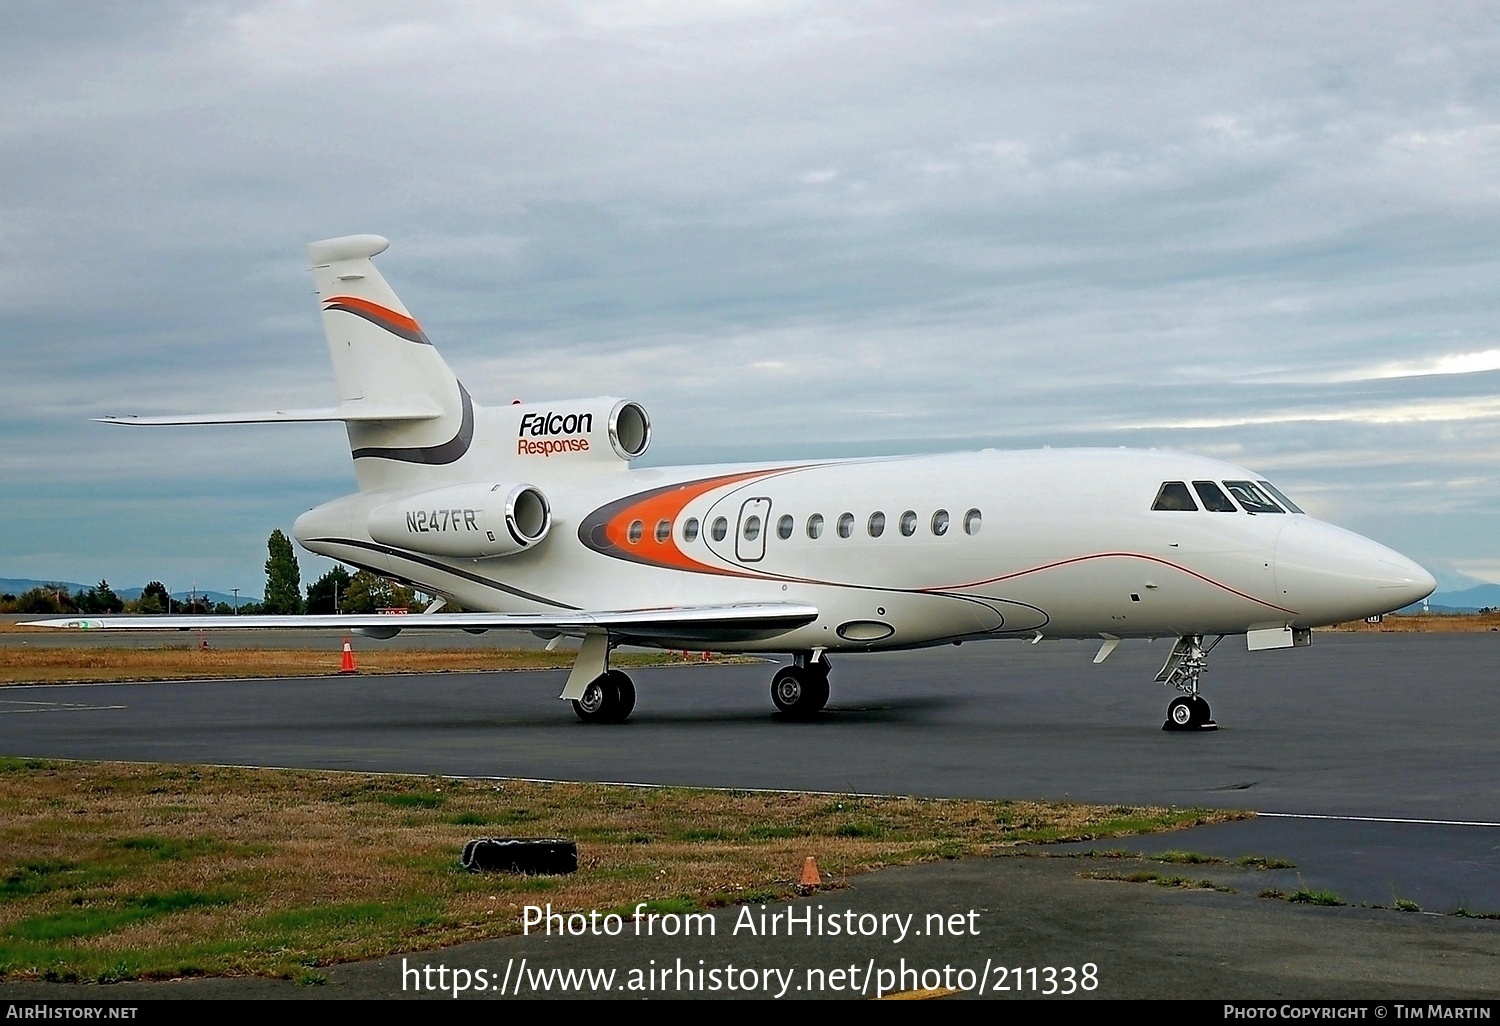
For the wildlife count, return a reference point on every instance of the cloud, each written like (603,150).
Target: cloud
(1456,363)
(1266,231)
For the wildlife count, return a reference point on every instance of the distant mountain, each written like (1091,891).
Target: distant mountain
(1469,600)
(17,585)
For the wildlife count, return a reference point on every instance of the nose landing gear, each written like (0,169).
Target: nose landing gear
(1185,664)
(800,691)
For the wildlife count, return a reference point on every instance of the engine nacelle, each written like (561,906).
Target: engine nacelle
(577,430)
(477,521)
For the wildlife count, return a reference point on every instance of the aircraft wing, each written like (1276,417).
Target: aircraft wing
(741,622)
(355,410)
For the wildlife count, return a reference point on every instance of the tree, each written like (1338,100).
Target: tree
(101,598)
(368,594)
(45,600)
(325,594)
(283,576)
(154,598)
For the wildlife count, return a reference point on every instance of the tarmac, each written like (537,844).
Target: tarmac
(1370,757)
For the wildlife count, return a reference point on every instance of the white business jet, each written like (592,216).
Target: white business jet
(534,513)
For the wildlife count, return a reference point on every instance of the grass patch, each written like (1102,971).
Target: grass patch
(1261,862)
(114,871)
(1439,623)
(766,832)
(169,847)
(1183,858)
(1464,912)
(1305,896)
(1406,905)
(1186,858)
(39,662)
(89,922)
(1151,876)
(412,800)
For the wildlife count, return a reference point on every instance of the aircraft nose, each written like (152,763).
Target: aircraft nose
(1329,575)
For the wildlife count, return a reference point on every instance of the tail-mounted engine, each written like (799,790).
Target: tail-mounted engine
(476,521)
(552,435)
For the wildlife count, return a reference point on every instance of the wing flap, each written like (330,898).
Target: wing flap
(753,621)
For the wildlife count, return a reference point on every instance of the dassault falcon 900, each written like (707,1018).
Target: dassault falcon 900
(533,513)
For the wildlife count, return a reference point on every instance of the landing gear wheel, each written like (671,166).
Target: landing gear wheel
(1190,712)
(625,689)
(1179,715)
(799,692)
(1203,717)
(609,698)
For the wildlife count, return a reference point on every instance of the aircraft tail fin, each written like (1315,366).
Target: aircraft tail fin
(382,359)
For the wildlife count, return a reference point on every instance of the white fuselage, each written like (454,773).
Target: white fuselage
(1064,543)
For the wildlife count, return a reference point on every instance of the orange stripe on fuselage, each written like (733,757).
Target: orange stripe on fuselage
(375,309)
(668,506)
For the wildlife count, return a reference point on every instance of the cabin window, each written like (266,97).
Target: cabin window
(973,520)
(1288,503)
(1214,500)
(663,530)
(876,525)
(940,523)
(784,527)
(815,526)
(634,531)
(752,528)
(909,523)
(846,524)
(1252,498)
(1174,495)
(690,530)
(720,529)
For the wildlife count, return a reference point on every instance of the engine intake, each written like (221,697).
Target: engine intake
(471,521)
(629,429)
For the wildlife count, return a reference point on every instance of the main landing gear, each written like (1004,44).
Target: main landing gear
(1185,664)
(598,694)
(800,691)
(608,698)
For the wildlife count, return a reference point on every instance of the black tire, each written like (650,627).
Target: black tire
(598,701)
(609,698)
(1201,712)
(625,696)
(541,856)
(1180,714)
(799,693)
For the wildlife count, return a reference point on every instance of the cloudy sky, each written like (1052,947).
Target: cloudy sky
(1268,232)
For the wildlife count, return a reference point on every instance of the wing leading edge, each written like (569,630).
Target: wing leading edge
(741,622)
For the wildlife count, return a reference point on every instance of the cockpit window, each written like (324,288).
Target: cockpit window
(1288,503)
(1174,495)
(1252,498)
(1214,499)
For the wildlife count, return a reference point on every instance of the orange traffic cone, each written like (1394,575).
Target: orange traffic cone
(810,879)
(347,665)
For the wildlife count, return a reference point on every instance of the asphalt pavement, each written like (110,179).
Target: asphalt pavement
(1370,756)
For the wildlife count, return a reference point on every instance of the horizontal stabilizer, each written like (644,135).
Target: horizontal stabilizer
(745,622)
(420,408)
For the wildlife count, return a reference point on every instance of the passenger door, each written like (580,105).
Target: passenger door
(750,538)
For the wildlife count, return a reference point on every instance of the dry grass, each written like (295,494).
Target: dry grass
(38,664)
(1439,623)
(117,871)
